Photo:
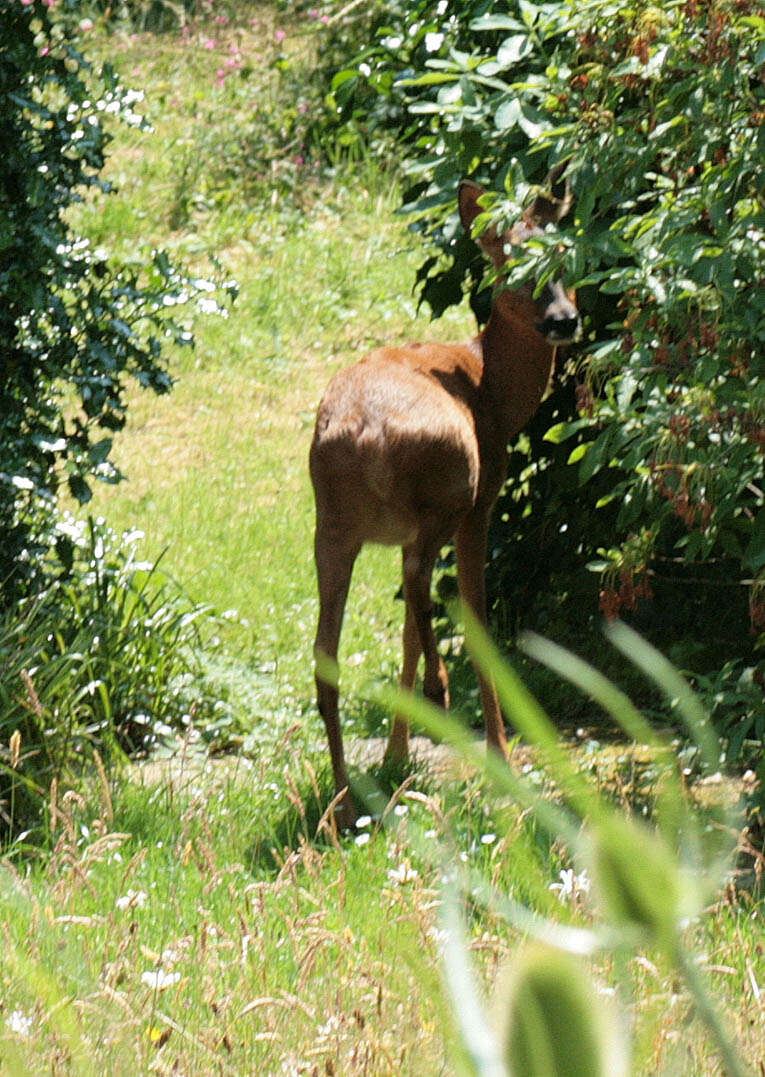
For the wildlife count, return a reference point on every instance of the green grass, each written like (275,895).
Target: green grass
(217,472)
(281,950)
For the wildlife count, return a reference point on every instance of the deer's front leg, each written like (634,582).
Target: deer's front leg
(470,544)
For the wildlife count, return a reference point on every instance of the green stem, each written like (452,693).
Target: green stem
(708,1014)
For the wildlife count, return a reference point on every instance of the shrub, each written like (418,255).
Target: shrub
(75,325)
(646,463)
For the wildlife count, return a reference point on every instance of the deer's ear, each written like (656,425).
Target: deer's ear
(550,210)
(489,241)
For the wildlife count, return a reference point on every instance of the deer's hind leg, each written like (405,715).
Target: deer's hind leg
(334,565)
(419,559)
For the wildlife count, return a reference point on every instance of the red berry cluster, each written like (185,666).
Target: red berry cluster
(694,512)
(757,611)
(631,589)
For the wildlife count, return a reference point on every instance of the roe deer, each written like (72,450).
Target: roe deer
(410,449)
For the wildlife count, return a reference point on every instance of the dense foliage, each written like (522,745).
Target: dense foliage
(646,463)
(75,324)
(95,651)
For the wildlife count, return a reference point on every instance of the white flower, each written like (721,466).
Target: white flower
(361,839)
(571,885)
(133,899)
(159,980)
(438,935)
(363,821)
(402,874)
(19,1023)
(488,839)
(433,42)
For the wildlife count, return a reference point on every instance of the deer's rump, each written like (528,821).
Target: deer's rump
(398,446)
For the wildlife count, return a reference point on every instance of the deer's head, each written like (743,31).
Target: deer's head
(553,313)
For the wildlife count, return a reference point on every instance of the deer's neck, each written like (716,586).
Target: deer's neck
(517,365)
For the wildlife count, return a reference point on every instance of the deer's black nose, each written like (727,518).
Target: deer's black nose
(559,328)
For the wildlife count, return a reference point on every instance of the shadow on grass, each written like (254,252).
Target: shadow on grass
(305,820)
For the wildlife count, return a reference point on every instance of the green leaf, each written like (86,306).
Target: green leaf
(496,22)
(512,49)
(80,489)
(562,431)
(598,454)
(754,554)
(100,451)
(637,879)
(556,1025)
(508,114)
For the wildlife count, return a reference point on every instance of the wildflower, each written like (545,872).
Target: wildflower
(404,873)
(363,821)
(280,35)
(19,1023)
(488,839)
(133,899)
(159,980)
(209,43)
(86,25)
(433,42)
(361,839)
(571,885)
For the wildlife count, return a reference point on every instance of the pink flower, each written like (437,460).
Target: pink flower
(85,24)
(324,19)
(313,13)
(209,43)
(280,35)
(45,50)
